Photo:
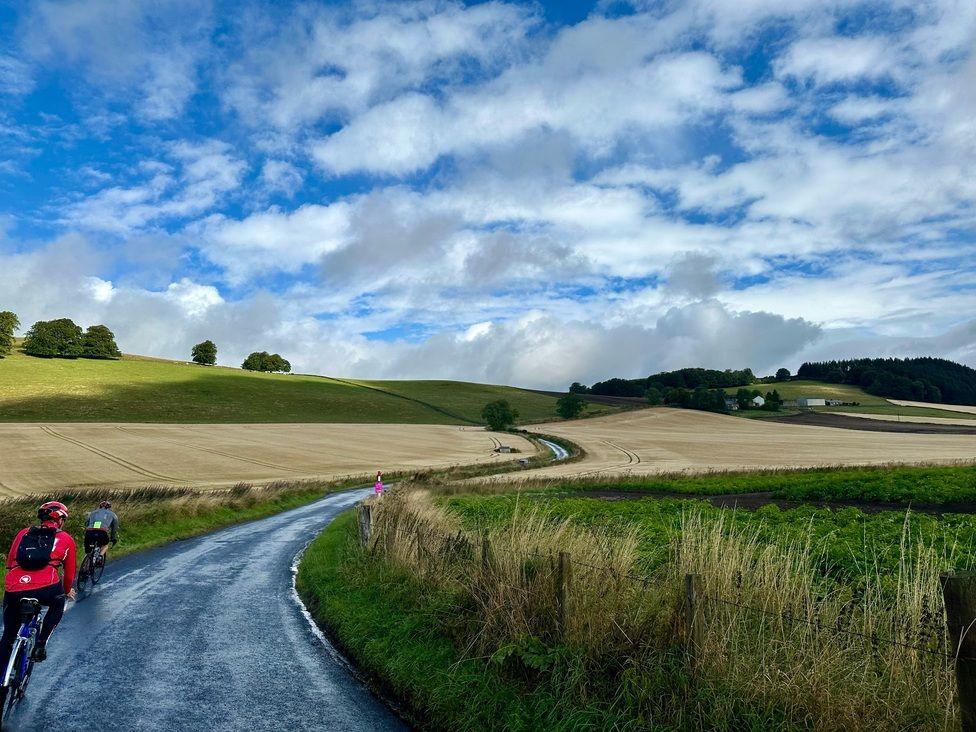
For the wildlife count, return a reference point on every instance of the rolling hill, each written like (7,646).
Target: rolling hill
(140,389)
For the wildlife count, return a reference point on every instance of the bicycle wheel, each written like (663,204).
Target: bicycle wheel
(85,580)
(97,569)
(10,693)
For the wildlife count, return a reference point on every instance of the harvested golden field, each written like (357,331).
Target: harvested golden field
(39,457)
(948,407)
(668,440)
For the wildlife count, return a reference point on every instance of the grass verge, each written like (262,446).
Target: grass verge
(473,639)
(156,515)
(388,622)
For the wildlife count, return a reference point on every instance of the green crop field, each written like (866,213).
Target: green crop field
(850,539)
(139,389)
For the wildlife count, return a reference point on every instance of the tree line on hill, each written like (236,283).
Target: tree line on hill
(63,338)
(59,338)
(923,379)
(205,354)
(690,378)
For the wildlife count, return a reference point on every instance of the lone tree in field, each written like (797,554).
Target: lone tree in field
(570,406)
(499,414)
(204,353)
(9,322)
(264,361)
(654,396)
(782,375)
(99,342)
(54,339)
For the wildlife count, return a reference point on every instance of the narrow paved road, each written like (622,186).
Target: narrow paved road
(202,634)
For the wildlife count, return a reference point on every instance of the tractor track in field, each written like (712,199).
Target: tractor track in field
(121,462)
(632,459)
(253,461)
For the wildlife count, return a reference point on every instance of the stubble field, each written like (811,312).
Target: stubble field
(668,440)
(39,457)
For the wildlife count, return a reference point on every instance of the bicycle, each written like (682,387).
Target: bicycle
(91,570)
(18,672)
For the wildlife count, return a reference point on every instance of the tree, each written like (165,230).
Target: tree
(773,401)
(578,388)
(54,339)
(499,414)
(653,396)
(570,406)
(9,322)
(744,398)
(264,361)
(782,374)
(99,342)
(204,353)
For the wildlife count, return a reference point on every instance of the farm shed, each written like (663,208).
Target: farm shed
(758,401)
(811,402)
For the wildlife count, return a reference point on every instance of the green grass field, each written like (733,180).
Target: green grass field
(139,389)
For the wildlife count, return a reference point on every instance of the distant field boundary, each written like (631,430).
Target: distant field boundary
(428,405)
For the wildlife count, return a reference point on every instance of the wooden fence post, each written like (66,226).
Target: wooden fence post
(365,520)
(959,593)
(564,578)
(692,617)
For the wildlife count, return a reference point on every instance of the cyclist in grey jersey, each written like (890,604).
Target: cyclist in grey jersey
(101,528)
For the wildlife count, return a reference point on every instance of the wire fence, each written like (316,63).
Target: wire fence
(462,542)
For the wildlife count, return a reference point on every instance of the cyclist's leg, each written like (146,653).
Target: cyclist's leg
(11,624)
(53,597)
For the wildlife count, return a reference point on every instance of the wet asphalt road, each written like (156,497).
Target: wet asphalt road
(202,634)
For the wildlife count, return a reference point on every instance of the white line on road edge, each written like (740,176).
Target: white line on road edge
(336,655)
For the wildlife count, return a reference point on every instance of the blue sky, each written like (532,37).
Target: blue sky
(532,193)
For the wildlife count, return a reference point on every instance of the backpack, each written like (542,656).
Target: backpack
(34,551)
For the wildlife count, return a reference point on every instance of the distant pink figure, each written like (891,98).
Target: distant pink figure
(379,482)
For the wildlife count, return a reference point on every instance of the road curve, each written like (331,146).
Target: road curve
(202,634)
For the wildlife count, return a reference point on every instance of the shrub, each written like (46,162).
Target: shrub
(204,353)
(54,339)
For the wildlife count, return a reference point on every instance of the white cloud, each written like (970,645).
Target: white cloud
(280,176)
(837,59)
(207,172)
(152,47)
(594,106)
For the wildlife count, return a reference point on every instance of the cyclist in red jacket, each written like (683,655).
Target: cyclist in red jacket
(40,564)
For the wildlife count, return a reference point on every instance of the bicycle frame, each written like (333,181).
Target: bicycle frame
(25,636)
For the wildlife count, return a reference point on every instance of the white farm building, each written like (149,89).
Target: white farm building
(811,402)
(758,401)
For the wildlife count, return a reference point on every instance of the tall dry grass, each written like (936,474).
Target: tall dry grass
(782,644)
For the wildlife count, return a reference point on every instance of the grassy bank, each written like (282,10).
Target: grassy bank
(138,389)
(154,516)
(388,621)
(458,593)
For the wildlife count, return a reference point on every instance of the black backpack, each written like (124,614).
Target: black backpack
(34,551)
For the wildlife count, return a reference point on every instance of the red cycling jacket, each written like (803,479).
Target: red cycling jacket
(62,556)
